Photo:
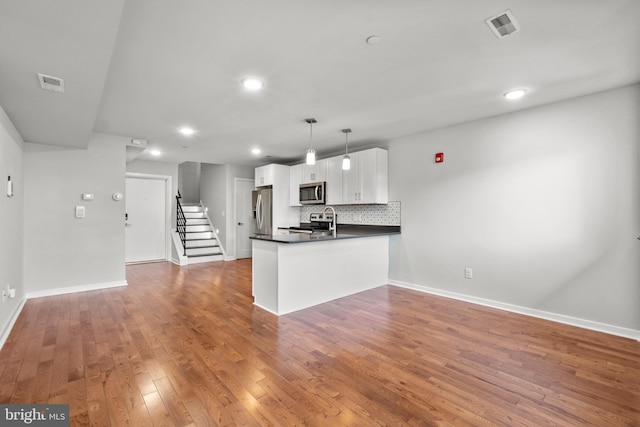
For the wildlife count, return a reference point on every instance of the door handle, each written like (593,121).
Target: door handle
(241,223)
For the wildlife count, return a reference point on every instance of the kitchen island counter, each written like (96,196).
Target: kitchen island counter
(344,232)
(289,277)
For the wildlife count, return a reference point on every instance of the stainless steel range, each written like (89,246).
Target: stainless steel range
(318,221)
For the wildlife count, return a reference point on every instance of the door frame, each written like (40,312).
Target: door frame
(167,207)
(236,180)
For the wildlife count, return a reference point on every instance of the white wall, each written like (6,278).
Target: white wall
(62,251)
(213,193)
(217,194)
(189,181)
(11,221)
(543,204)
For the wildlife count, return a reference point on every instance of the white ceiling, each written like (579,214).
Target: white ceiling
(143,68)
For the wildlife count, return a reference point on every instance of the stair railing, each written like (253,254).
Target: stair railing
(181,224)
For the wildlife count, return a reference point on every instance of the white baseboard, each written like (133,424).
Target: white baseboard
(554,317)
(72,289)
(266,309)
(12,322)
(52,292)
(177,261)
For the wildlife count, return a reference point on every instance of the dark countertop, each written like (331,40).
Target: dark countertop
(345,231)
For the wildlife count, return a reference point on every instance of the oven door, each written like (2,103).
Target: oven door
(312,194)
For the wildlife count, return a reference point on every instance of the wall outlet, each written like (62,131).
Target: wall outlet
(468,273)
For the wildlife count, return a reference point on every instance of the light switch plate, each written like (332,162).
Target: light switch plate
(80,211)
(87,196)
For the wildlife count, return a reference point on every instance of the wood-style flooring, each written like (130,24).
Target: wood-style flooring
(184,346)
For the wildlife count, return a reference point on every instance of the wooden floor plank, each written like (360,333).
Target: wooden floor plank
(185,346)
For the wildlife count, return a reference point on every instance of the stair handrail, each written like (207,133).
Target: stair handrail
(181,224)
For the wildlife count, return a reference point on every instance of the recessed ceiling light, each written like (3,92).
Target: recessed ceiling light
(155,152)
(515,93)
(187,131)
(252,83)
(256,151)
(373,39)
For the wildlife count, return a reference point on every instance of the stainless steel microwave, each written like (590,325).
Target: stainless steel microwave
(312,193)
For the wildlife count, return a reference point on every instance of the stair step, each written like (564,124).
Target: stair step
(202,251)
(197,228)
(204,254)
(190,215)
(198,235)
(191,208)
(205,258)
(201,243)
(197,221)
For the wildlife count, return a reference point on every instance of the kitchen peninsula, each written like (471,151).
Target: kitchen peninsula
(296,271)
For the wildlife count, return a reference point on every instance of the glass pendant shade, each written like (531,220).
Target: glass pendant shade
(346,162)
(311,156)
(311,153)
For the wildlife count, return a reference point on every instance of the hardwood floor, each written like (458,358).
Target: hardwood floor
(186,347)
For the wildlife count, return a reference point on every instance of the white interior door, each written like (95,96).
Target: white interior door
(146,220)
(244,217)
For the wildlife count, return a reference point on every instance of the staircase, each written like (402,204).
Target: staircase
(200,241)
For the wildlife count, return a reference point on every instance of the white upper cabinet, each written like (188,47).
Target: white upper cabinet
(334,181)
(279,178)
(368,179)
(295,179)
(314,173)
(265,175)
(366,182)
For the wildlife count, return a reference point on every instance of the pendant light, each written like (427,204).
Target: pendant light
(346,160)
(311,153)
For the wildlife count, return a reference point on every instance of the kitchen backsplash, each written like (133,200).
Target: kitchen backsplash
(388,214)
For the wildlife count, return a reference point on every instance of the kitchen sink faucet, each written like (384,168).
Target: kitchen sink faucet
(333,227)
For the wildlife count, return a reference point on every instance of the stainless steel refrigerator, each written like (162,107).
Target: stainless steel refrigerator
(262,210)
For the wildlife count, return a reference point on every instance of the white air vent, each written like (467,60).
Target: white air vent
(503,24)
(55,84)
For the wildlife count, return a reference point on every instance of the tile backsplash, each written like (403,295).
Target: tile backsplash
(388,214)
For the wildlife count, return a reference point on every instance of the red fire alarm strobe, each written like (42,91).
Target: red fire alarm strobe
(439,157)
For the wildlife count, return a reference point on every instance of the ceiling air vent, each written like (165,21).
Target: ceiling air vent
(503,24)
(55,84)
